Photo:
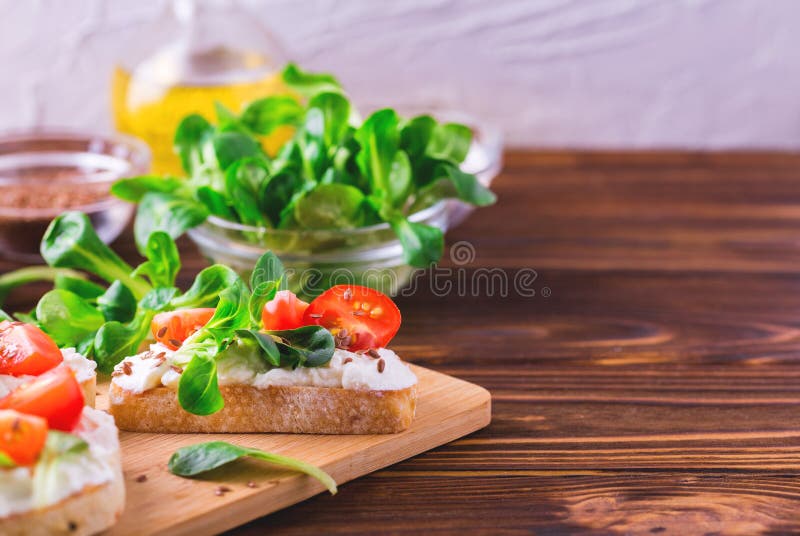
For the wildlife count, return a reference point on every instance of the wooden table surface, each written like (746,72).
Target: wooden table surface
(652,384)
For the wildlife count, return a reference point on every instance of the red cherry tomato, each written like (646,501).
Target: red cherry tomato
(284,311)
(55,395)
(359,317)
(22,436)
(174,327)
(26,350)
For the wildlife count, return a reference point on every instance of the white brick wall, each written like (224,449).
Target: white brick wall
(642,73)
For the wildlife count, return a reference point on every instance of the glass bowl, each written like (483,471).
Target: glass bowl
(44,173)
(317,259)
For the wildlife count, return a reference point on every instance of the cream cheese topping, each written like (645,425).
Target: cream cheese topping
(348,370)
(20,491)
(144,371)
(83,368)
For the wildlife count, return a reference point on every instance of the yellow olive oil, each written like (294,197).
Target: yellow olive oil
(151,105)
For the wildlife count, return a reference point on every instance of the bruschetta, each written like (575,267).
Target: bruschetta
(330,374)
(60,469)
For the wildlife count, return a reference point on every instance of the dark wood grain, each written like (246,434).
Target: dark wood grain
(655,390)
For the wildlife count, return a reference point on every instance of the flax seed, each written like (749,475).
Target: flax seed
(347,360)
(141,478)
(174,342)
(373,353)
(381,365)
(161,332)
(127,368)
(176,369)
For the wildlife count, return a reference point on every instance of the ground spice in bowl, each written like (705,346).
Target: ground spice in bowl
(43,175)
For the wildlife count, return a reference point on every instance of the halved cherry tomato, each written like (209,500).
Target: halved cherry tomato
(55,395)
(174,327)
(26,350)
(22,436)
(360,318)
(284,311)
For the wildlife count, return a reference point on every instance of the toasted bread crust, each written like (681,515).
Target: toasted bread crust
(88,512)
(284,409)
(89,389)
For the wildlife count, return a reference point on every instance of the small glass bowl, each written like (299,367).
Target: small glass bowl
(44,173)
(317,259)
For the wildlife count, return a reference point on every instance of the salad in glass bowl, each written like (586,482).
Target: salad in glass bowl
(345,199)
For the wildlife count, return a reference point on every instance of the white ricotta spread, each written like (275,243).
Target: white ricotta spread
(82,367)
(346,370)
(20,491)
(143,371)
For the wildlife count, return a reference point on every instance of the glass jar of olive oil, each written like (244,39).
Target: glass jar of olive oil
(199,53)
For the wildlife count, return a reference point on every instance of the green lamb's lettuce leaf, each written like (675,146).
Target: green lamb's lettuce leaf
(268,268)
(117,303)
(330,206)
(192,134)
(88,290)
(163,261)
(197,459)
(71,242)
(198,388)
(67,317)
(262,293)
(232,313)
(267,348)
(232,146)
(308,84)
(453,183)
(207,287)
(115,341)
(263,116)
(422,244)
(330,124)
(244,180)
(133,188)
(449,141)
(172,214)
(307,346)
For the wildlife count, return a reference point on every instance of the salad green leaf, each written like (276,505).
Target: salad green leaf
(206,288)
(192,134)
(159,211)
(163,260)
(263,116)
(67,317)
(117,303)
(71,242)
(197,459)
(198,388)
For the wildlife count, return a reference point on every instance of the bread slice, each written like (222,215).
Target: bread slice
(284,409)
(82,514)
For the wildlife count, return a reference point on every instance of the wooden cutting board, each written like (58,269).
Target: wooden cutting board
(159,502)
